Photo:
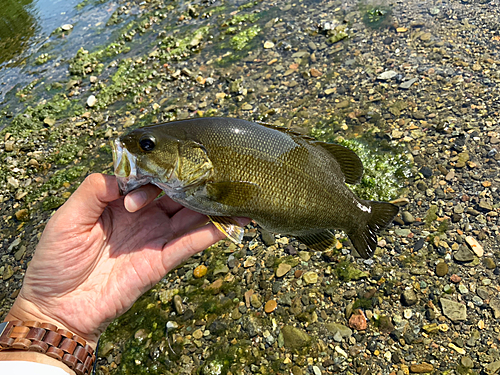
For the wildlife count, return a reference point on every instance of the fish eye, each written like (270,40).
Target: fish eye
(147,143)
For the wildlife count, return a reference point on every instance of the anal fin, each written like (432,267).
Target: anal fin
(229,227)
(320,241)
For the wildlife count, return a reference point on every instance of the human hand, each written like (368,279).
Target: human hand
(95,258)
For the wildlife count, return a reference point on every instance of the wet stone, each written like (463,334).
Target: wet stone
(339,331)
(495,306)
(8,272)
(20,253)
(283,269)
(179,307)
(407,217)
(421,368)
(454,311)
(463,255)
(267,237)
(295,338)
(310,277)
(409,297)
(441,269)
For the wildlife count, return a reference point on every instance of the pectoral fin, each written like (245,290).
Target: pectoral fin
(229,227)
(349,162)
(319,241)
(232,193)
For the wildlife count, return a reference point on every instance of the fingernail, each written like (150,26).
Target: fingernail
(135,200)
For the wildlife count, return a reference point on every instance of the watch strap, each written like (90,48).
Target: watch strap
(46,338)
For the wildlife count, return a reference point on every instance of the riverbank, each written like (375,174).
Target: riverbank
(412,87)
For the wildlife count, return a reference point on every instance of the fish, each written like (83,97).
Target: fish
(286,182)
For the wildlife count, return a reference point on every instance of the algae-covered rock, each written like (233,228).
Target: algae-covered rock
(295,338)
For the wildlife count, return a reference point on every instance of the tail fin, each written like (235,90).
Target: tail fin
(365,239)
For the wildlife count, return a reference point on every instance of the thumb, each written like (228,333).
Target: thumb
(88,202)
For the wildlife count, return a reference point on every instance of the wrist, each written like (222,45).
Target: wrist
(21,355)
(26,311)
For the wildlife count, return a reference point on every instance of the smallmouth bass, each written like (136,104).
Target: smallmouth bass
(288,183)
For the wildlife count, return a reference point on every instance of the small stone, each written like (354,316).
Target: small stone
(492,368)
(22,215)
(255,301)
(475,246)
(249,262)
(13,182)
(454,311)
(407,84)
(310,277)
(339,331)
(467,362)
(67,27)
(441,269)
(267,237)
(304,256)
(358,321)
(407,217)
(91,101)
(283,269)
(295,338)
(495,306)
(315,72)
(9,146)
(455,279)
(463,254)
(421,368)
(270,306)
(268,44)
(8,272)
(198,334)
(179,308)
(387,75)
(20,253)
(489,263)
(247,107)
(409,297)
(200,271)
(49,121)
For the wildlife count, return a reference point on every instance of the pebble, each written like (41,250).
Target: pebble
(407,84)
(179,307)
(22,215)
(270,306)
(255,301)
(441,269)
(268,44)
(200,271)
(389,74)
(9,146)
(409,297)
(20,253)
(8,272)
(339,331)
(495,306)
(249,262)
(421,368)
(463,254)
(294,338)
(283,269)
(407,217)
(454,311)
(475,246)
(91,101)
(358,321)
(310,277)
(67,27)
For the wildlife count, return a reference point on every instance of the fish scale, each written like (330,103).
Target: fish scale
(287,183)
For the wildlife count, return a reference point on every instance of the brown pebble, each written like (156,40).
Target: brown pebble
(455,279)
(270,306)
(315,72)
(441,269)
(422,367)
(358,321)
(200,271)
(298,274)
(22,215)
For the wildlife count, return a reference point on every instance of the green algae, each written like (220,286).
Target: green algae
(346,271)
(385,168)
(242,40)
(175,47)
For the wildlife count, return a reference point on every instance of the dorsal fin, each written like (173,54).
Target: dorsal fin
(349,162)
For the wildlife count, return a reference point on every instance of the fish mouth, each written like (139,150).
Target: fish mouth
(125,166)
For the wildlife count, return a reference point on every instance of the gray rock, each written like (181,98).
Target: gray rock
(407,84)
(339,331)
(492,368)
(294,338)
(267,237)
(20,253)
(453,310)
(409,297)
(463,254)
(467,362)
(495,306)
(407,217)
(387,75)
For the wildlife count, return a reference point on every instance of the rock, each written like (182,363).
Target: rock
(91,101)
(387,75)
(315,72)
(13,182)
(20,253)
(67,27)
(339,331)
(179,308)
(421,368)
(358,321)
(304,256)
(409,297)
(268,45)
(492,368)
(198,334)
(475,246)
(294,338)
(270,306)
(14,244)
(441,269)
(495,306)
(200,271)
(467,362)
(8,272)
(407,84)
(489,263)
(22,215)
(407,217)
(249,262)
(310,277)
(283,269)
(255,301)
(454,311)
(9,146)
(267,237)
(463,254)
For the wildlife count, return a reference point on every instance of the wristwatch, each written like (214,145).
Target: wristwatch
(46,338)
